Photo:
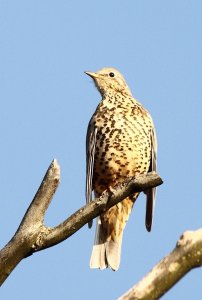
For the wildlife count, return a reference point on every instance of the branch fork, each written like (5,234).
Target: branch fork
(32,235)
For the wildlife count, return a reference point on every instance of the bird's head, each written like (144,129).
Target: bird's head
(109,80)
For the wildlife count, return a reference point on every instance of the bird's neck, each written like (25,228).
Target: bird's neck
(125,92)
(114,100)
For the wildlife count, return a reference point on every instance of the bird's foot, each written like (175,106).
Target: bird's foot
(111,189)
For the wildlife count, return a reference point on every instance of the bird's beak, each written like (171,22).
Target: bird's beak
(91,74)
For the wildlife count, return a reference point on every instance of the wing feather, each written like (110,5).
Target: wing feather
(151,193)
(90,154)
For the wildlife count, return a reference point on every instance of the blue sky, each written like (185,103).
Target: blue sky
(46,103)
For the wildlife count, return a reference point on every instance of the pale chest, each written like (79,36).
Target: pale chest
(123,144)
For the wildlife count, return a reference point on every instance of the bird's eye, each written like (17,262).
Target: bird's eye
(111,74)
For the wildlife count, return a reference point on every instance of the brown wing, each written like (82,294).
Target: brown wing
(90,154)
(151,193)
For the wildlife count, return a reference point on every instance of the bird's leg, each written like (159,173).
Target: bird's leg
(111,189)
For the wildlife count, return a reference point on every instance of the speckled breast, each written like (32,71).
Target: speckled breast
(123,146)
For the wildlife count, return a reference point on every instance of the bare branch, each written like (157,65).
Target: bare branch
(186,256)
(95,208)
(36,211)
(21,245)
(32,235)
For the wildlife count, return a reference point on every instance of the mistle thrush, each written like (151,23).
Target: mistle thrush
(120,142)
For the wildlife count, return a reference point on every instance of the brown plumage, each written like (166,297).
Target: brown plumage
(120,143)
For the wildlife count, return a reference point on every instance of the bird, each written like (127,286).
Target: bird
(120,143)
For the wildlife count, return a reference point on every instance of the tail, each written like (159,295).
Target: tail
(105,253)
(109,233)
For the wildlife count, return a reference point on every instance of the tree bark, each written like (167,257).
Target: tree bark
(32,235)
(186,256)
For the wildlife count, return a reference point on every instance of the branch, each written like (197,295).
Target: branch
(95,208)
(186,256)
(21,245)
(32,235)
(36,211)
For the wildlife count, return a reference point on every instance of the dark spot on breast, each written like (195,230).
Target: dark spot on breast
(113,123)
(106,147)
